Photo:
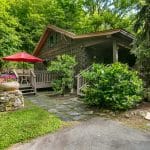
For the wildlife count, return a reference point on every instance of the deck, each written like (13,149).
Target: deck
(43,79)
(31,80)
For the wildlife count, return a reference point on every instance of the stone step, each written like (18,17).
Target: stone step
(26,90)
(28,93)
(25,87)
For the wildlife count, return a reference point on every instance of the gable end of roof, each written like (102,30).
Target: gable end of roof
(74,36)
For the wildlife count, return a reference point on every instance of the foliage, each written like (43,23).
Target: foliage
(142,28)
(9,37)
(104,14)
(22,21)
(16,65)
(142,44)
(142,50)
(114,86)
(25,124)
(142,24)
(63,67)
(24,65)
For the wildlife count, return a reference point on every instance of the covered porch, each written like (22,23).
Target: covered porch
(109,51)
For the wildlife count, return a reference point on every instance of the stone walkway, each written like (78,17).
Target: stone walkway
(68,108)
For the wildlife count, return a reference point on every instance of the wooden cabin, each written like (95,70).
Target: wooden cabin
(101,47)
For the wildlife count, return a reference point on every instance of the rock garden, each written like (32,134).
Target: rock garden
(10,96)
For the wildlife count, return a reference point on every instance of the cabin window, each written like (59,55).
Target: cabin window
(52,40)
(51,44)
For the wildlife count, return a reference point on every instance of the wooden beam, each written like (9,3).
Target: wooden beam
(115,51)
(94,42)
(41,43)
(123,45)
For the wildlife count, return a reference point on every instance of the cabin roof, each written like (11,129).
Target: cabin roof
(71,35)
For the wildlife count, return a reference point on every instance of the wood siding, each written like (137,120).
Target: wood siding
(58,44)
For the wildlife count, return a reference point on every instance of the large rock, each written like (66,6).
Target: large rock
(9,86)
(147,116)
(11,100)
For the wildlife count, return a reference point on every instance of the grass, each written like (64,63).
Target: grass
(24,124)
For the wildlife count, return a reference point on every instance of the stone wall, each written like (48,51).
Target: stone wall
(11,100)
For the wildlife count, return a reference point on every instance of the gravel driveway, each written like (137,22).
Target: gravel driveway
(94,134)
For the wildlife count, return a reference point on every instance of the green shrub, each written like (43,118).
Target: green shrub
(114,86)
(63,67)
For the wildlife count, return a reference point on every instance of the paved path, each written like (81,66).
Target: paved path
(67,108)
(94,134)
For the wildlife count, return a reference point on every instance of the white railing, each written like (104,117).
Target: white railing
(26,79)
(16,74)
(44,78)
(81,82)
(33,80)
(36,79)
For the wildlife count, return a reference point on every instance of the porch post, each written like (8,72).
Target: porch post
(115,51)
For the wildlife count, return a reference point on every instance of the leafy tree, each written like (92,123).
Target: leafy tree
(109,14)
(142,44)
(63,67)
(9,37)
(72,14)
(142,28)
(142,24)
(31,22)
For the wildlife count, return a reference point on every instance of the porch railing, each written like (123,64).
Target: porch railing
(33,80)
(81,82)
(16,74)
(44,78)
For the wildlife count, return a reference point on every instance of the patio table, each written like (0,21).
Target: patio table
(24,79)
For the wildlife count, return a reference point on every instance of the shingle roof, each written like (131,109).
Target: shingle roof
(74,36)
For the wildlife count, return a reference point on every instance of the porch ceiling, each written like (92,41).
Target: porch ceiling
(107,44)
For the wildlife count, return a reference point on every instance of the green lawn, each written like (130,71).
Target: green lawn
(25,124)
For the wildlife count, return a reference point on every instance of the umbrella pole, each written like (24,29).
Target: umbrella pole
(23,67)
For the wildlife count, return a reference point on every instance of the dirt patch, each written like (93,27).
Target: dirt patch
(134,117)
(135,122)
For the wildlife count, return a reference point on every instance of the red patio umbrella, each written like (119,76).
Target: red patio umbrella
(23,57)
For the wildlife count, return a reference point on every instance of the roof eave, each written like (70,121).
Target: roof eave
(76,37)
(131,36)
(62,31)
(36,50)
